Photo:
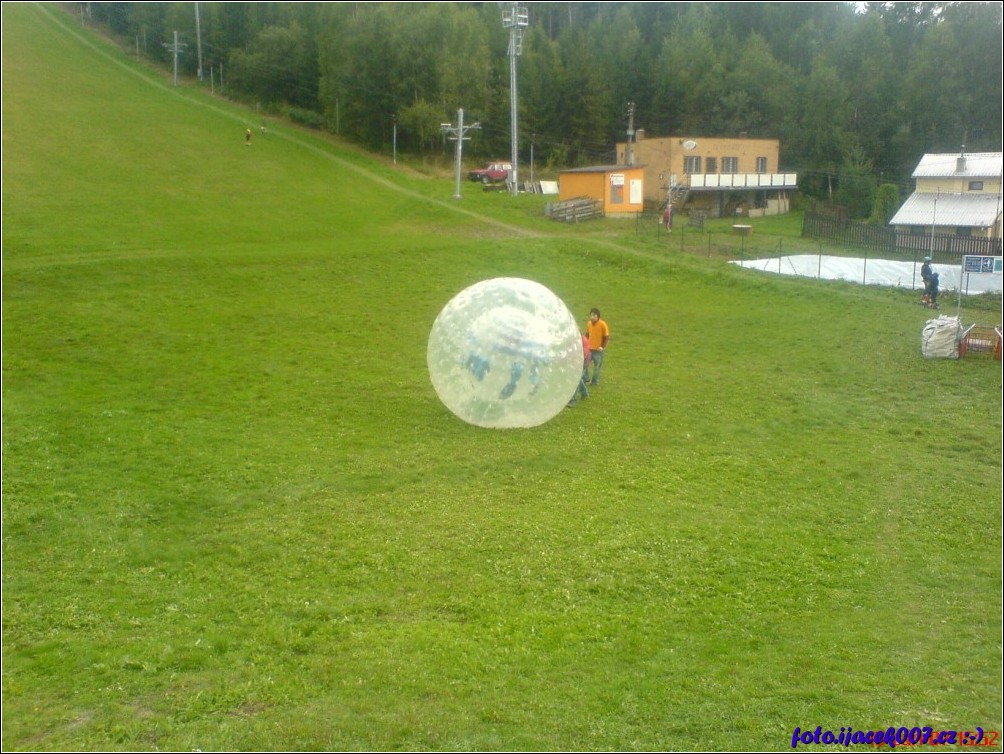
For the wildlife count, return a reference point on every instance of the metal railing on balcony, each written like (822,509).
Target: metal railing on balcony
(699,181)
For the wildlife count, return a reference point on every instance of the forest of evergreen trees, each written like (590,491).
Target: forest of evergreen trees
(855,92)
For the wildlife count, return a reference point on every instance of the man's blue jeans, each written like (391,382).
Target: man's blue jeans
(597,358)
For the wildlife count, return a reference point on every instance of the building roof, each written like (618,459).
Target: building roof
(602,169)
(976,165)
(952,210)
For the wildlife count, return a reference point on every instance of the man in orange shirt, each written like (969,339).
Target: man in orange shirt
(599,336)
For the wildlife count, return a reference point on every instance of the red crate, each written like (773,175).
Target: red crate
(981,340)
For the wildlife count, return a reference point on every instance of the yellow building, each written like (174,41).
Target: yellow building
(721,177)
(957,197)
(621,188)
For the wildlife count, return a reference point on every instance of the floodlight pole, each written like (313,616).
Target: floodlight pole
(515,19)
(198,39)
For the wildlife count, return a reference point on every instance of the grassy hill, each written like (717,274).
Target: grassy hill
(237,517)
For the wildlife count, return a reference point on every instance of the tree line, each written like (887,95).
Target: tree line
(855,92)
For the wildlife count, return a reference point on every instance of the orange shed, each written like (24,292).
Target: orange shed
(620,187)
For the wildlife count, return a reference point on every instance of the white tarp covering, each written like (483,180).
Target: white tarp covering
(940,338)
(877,272)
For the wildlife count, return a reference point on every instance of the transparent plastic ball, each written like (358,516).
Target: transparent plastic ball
(505,353)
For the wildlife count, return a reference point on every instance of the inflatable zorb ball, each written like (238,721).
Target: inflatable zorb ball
(505,353)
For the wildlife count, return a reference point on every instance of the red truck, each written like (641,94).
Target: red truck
(492,173)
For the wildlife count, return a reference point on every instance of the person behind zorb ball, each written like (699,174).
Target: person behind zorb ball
(505,353)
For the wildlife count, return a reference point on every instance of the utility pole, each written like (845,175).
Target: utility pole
(533,143)
(175,48)
(934,217)
(198,39)
(515,19)
(629,157)
(458,135)
(395,139)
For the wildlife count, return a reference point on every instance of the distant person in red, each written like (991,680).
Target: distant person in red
(583,389)
(667,217)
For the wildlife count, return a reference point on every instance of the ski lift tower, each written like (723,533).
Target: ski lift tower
(515,18)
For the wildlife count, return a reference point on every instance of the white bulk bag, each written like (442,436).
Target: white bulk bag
(940,338)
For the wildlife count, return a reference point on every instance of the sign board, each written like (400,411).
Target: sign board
(983,264)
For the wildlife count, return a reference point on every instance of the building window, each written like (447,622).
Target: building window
(617,188)
(691,165)
(711,165)
(976,185)
(761,164)
(963,231)
(730,164)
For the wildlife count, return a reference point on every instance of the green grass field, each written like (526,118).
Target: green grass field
(237,517)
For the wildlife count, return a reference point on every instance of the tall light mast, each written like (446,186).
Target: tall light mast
(515,18)
(198,39)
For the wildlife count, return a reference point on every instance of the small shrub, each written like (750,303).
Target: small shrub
(307,118)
